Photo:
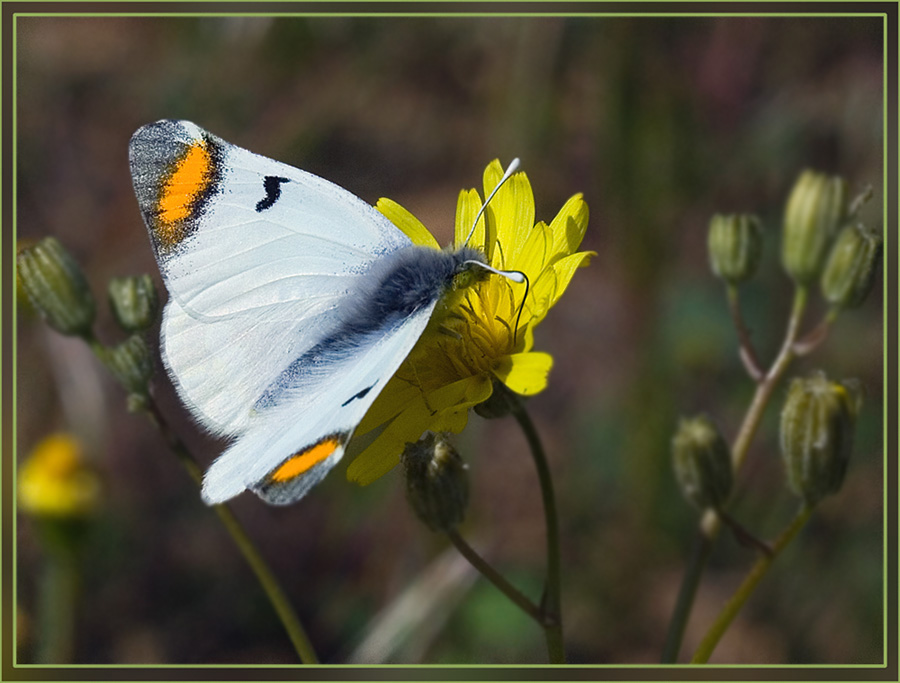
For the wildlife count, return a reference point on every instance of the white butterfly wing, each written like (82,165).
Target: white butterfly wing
(257,256)
(292,304)
(235,231)
(222,366)
(283,453)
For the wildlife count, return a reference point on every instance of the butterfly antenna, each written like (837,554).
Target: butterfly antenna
(512,168)
(514,275)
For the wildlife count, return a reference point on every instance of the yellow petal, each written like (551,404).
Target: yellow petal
(383,454)
(525,373)
(442,410)
(467,207)
(542,295)
(553,282)
(397,395)
(536,252)
(569,225)
(511,211)
(463,393)
(410,225)
(565,268)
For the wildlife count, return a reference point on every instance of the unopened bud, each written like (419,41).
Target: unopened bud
(851,267)
(56,287)
(735,245)
(437,486)
(702,462)
(817,426)
(131,363)
(134,302)
(815,211)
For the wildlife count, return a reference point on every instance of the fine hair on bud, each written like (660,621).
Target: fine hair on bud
(817,428)
(437,485)
(702,462)
(816,210)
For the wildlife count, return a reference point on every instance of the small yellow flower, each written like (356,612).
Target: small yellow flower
(55,481)
(477,334)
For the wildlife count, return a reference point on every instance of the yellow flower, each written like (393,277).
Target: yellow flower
(55,481)
(477,335)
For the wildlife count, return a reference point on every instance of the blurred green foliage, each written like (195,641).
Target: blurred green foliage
(660,122)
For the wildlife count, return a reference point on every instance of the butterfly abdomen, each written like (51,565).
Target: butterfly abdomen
(408,282)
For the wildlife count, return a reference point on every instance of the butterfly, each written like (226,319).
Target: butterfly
(292,303)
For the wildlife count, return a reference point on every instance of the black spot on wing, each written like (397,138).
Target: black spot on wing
(359,394)
(272,186)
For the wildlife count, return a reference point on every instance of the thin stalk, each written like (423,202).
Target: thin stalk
(745,590)
(699,555)
(495,577)
(764,390)
(551,604)
(276,595)
(710,522)
(745,344)
(58,595)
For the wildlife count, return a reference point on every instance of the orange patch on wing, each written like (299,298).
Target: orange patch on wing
(190,179)
(303,461)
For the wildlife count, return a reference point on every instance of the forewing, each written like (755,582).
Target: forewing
(259,259)
(234,231)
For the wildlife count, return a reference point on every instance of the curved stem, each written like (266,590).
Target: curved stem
(710,523)
(264,575)
(551,604)
(745,590)
(495,577)
(745,344)
(767,386)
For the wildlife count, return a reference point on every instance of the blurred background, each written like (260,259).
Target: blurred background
(660,122)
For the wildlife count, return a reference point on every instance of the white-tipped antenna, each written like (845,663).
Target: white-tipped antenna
(514,275)
(512,168)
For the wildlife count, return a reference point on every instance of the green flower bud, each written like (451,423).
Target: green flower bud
(56,287)
(735,245)
(817,425)
(815,211)
(134,302)
(702,462)
(851,267)
(131,363)
(437,487)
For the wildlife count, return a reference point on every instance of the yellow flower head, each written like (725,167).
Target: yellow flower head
(55,481)
(481,333)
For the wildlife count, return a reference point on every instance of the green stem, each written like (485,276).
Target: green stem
(495,577)
(551,604)
(263,573)
(699,555)
(710,523)
(745,590)
(765,388)
(58,595)
(745,344)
